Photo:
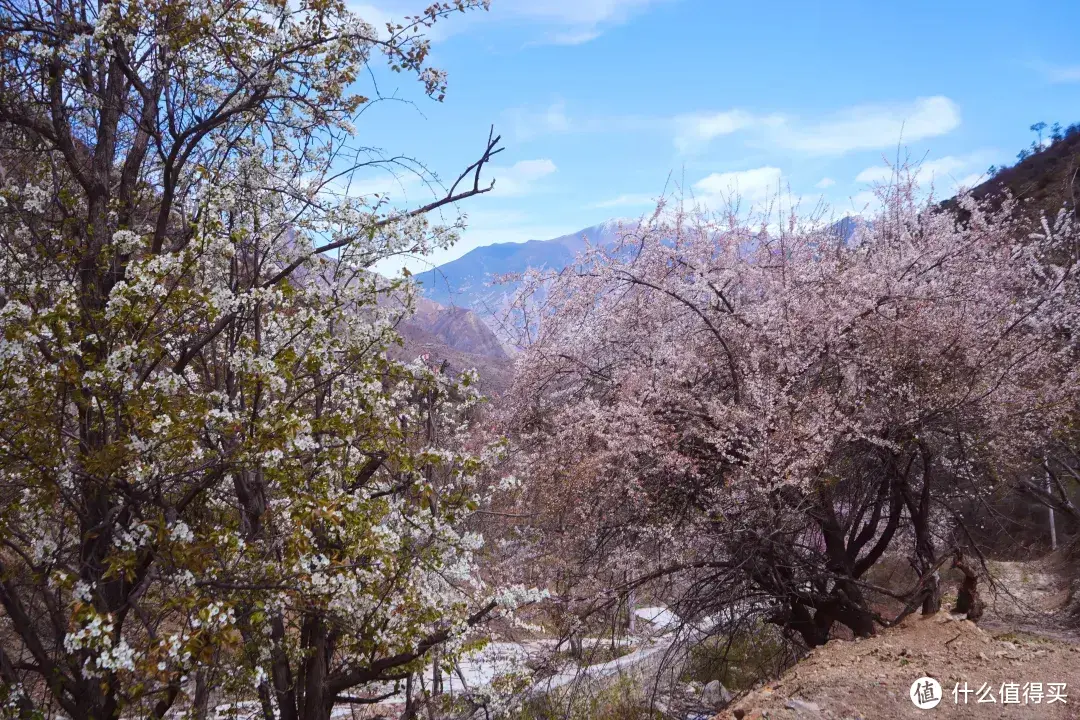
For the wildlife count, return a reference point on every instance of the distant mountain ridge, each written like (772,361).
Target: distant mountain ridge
(449,321)
(467,281)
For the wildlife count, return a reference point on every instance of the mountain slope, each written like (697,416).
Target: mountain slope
(458,328)
(1046,180)
(458,337)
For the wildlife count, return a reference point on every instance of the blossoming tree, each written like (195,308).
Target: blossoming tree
(214,485)
(763,411)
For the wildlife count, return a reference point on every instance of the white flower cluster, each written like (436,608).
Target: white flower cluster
(133,538)
(35,198)
(105,655)
(515,596)
(181,533)
(126,241)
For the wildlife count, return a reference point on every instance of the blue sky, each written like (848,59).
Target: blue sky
(604,103)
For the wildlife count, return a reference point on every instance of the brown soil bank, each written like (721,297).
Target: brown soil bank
(870,679)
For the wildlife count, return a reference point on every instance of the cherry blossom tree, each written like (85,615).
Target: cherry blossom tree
(214,485)
(764,409)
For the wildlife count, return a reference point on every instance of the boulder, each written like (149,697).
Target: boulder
(715,695)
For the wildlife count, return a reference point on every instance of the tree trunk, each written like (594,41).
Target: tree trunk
(932,601)
(436,675)
(967,598)
(576,649)
(410,706)
(1050,511)
(314,704)
(200,703)
(814,629)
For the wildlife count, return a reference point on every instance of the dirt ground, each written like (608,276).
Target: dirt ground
(1021,641)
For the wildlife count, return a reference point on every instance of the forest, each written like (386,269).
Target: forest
(729,439)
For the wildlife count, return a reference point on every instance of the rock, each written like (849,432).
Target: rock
(1072,606)
(715,695)
(803,708)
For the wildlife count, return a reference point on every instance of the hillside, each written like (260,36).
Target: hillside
(872,678)
(459,337)
(1046,180)
(457,327)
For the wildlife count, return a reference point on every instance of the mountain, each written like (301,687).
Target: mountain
(456,327)
(447,324)
(1046,180)
(468,281)
(458,337)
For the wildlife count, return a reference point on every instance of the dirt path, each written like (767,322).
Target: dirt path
(1027,597)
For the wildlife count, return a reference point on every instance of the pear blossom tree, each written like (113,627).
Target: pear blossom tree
(214,484)
(758,412)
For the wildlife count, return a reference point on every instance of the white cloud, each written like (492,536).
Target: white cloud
(825,182)
(875,174)
(570,22)
(408,188)
(560,22)
(1065,74)
(944,165)
(397,11)
(575,37)
(526,124)
(627,200)
(865,204)
(860,127)
(696,130)
(748,186)
(574,12)
(866,127)
(942,173)
(520,178)
(969,181)
(374,15)
(1058,74)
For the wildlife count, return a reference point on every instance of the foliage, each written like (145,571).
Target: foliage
(740,659)
(764,410)
(213,482)
(624,700)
